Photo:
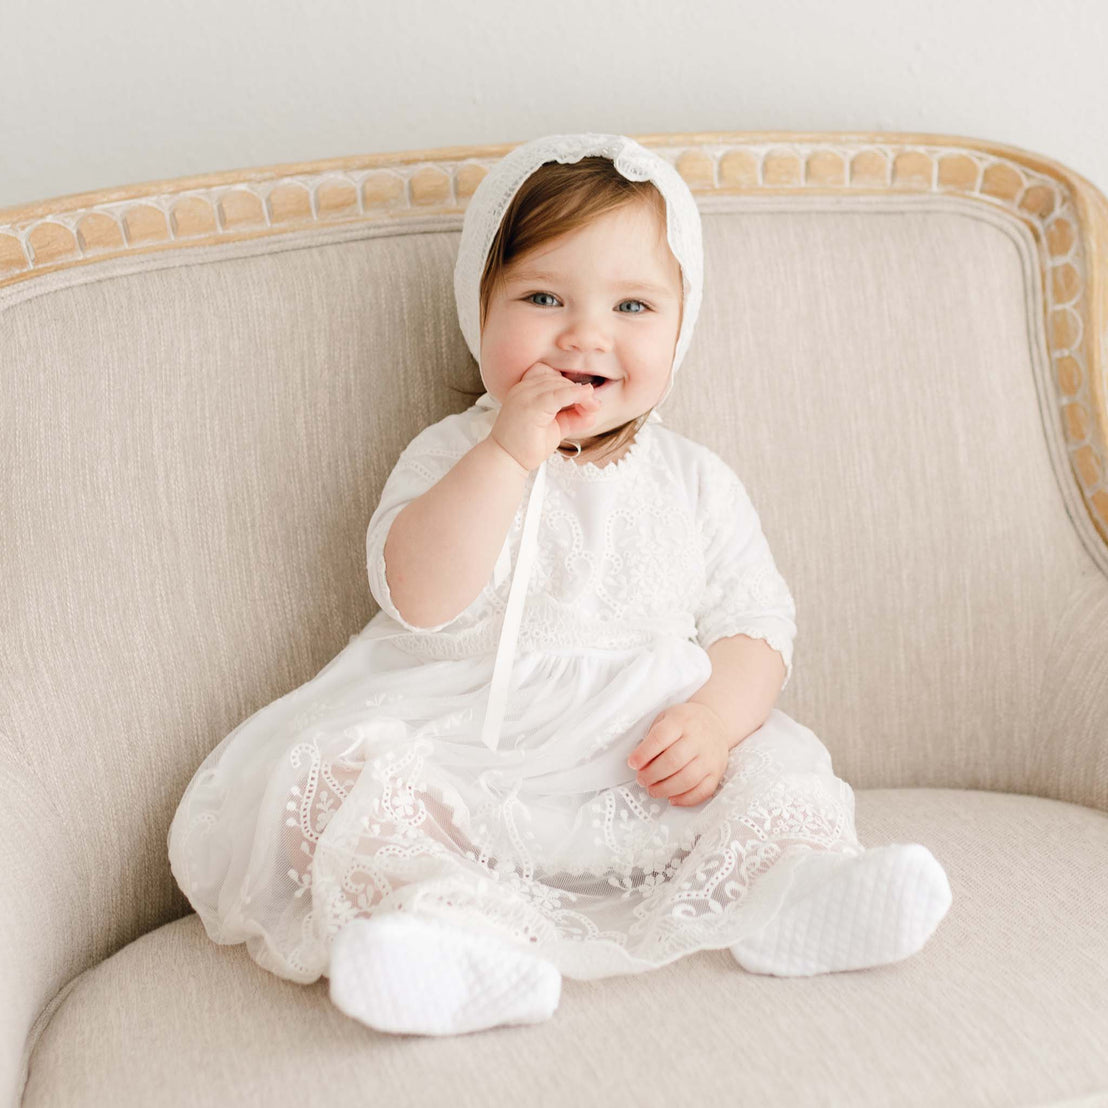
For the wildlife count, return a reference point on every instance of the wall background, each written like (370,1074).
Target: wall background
(124,91)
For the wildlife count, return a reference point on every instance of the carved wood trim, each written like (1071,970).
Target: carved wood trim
(1066,214)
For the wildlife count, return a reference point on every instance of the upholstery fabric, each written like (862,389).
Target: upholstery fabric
(193,442)
(1012,983)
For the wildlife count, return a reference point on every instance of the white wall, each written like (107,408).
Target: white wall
(113,92)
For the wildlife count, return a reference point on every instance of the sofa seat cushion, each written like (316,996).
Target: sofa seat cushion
(1007,1004)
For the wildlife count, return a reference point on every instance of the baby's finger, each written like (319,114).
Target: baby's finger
(676,784)
(675,757)
(575,389)
(556,398)
(575,418)
(697,794)
(662,734)
(540,371)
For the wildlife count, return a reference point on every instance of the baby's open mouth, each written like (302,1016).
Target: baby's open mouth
(584,378)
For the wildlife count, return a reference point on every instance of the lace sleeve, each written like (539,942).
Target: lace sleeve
(744,594)
(422,464)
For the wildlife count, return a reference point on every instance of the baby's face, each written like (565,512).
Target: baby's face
(603,300)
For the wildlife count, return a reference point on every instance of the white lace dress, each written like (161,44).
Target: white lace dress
(367,789)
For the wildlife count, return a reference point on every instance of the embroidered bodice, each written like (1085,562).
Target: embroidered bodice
(663,542)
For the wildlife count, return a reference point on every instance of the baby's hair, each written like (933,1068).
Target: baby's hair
(556,199)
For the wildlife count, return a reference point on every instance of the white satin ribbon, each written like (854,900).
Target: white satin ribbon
(513,612)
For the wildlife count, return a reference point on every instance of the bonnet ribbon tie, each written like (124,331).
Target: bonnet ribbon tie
(513,612)
(517,593)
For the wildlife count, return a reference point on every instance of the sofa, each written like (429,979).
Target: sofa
(902,350)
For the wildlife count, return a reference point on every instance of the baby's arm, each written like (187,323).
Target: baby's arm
(745,595)
(685,753)
(440,550)
(747,676)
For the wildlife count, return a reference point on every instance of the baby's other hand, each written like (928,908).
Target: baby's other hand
(684,754)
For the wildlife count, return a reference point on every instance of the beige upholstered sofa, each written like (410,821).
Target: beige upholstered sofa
(903,351)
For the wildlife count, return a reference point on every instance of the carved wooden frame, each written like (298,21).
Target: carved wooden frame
(1065,213)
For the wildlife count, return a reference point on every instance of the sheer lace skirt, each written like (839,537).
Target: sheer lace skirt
(367,790)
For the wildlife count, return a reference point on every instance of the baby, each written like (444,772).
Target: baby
(554,751)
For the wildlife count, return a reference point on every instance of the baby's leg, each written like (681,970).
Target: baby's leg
(408,973)
(319,789)
(845,907)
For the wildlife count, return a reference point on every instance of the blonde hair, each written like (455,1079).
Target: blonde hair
(556,199)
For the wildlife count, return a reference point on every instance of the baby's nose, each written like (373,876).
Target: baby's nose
(585,332)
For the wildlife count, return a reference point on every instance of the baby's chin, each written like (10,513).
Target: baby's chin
(587,438)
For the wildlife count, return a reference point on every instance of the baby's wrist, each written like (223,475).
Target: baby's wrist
(497,447)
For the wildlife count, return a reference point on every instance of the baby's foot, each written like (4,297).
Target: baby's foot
(407,974)
(850,912)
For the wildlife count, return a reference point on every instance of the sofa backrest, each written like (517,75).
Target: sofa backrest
(205,385)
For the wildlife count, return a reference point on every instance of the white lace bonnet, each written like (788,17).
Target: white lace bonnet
(492,196)
(483,215)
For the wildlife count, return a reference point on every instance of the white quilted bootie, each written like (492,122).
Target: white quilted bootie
(407,974)
(847,912)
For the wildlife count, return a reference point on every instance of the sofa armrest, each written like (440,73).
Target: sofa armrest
(40,910)
(1068,759)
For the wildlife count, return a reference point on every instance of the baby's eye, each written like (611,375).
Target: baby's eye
(645,307)
(532,295)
